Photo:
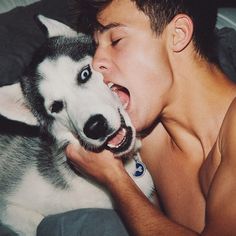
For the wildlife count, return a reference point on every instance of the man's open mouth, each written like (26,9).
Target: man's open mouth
(122,93)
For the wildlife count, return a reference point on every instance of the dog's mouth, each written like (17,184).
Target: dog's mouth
(121,141)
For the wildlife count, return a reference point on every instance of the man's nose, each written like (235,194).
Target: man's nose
(101,61)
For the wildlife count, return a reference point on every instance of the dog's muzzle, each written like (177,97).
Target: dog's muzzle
(117,141)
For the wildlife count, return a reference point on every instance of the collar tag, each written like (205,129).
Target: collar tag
(139,169)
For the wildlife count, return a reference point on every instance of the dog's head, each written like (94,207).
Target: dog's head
(67,97)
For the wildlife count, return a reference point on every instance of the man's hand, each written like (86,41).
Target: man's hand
(103,166)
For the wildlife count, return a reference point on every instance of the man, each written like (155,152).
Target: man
(158,54)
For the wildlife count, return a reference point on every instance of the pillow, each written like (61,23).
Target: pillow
(6,5)
(226,51)
(20,36)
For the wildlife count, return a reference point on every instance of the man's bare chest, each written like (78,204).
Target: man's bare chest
(182,184)
(182,179)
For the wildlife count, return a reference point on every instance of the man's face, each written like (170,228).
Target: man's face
(132,57)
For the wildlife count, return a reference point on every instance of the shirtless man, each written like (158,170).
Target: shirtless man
(161,54)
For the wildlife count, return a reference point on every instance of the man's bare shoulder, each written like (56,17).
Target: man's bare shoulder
(227,136)
(221,207)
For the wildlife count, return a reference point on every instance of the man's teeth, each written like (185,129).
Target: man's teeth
(110,84)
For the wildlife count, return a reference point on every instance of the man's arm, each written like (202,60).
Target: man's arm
(138,213)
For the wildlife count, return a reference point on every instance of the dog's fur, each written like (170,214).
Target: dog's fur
(62,95)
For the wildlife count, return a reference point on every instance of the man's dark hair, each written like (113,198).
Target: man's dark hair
(160,12)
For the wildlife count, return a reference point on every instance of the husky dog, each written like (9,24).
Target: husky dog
(62,95)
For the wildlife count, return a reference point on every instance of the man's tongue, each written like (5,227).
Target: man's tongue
(118,139)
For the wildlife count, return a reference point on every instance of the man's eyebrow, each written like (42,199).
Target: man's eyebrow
(103,28)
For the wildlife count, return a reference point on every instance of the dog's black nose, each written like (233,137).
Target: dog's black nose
(96,127)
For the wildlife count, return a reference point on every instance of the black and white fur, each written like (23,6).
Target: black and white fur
(67,99)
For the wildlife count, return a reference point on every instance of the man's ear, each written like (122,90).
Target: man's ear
(13,106)
(182,32)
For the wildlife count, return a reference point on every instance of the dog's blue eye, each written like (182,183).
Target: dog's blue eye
(56,107)
(84,74)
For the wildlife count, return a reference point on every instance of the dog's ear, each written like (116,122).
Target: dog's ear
(56,28)
(13,106)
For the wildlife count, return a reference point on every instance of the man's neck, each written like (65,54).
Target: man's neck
(200,97)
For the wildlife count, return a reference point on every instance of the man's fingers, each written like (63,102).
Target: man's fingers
(73,153)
